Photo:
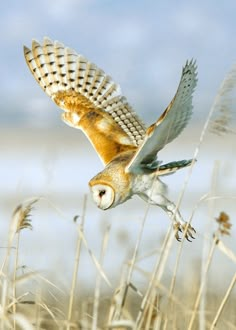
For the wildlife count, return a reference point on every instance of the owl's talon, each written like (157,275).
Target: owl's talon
(190,234)
(193,231)
(181,228)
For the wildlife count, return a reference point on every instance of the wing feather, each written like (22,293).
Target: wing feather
(80,87)
(171,123)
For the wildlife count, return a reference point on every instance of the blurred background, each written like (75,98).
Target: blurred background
(143,46)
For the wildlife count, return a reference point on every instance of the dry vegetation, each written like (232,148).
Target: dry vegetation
(30,301)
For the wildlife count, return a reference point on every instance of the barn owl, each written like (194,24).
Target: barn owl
(93,103)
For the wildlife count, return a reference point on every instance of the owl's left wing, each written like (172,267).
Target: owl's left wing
(170,124)
(92,101)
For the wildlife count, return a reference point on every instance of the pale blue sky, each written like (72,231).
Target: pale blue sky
(141,44)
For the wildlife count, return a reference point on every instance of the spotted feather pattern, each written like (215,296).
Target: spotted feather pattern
(60,69)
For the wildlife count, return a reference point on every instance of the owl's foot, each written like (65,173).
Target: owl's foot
(185,228)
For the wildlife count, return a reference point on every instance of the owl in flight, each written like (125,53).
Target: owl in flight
(93,103)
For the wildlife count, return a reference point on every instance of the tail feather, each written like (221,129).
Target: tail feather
(172,167)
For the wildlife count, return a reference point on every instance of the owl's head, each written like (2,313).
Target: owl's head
(103,195)
(110,187)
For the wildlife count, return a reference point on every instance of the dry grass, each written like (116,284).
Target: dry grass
(160,304)
(30,301)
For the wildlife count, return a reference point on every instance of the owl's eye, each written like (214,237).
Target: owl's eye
(103,195)
(102,192)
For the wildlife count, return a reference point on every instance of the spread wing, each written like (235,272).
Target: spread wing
(170,124)
(91,100)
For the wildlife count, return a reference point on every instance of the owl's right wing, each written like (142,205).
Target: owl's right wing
(170,124)
(91,100)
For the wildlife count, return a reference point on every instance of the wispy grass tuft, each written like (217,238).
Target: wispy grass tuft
(223,120)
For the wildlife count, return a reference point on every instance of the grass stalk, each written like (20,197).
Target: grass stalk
(133,260)
(14,293)
(223,302)
(206,243)
(98,280)
(155,276)
(76,265)
(203,283)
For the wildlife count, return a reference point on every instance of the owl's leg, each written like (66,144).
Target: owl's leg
(180,226)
